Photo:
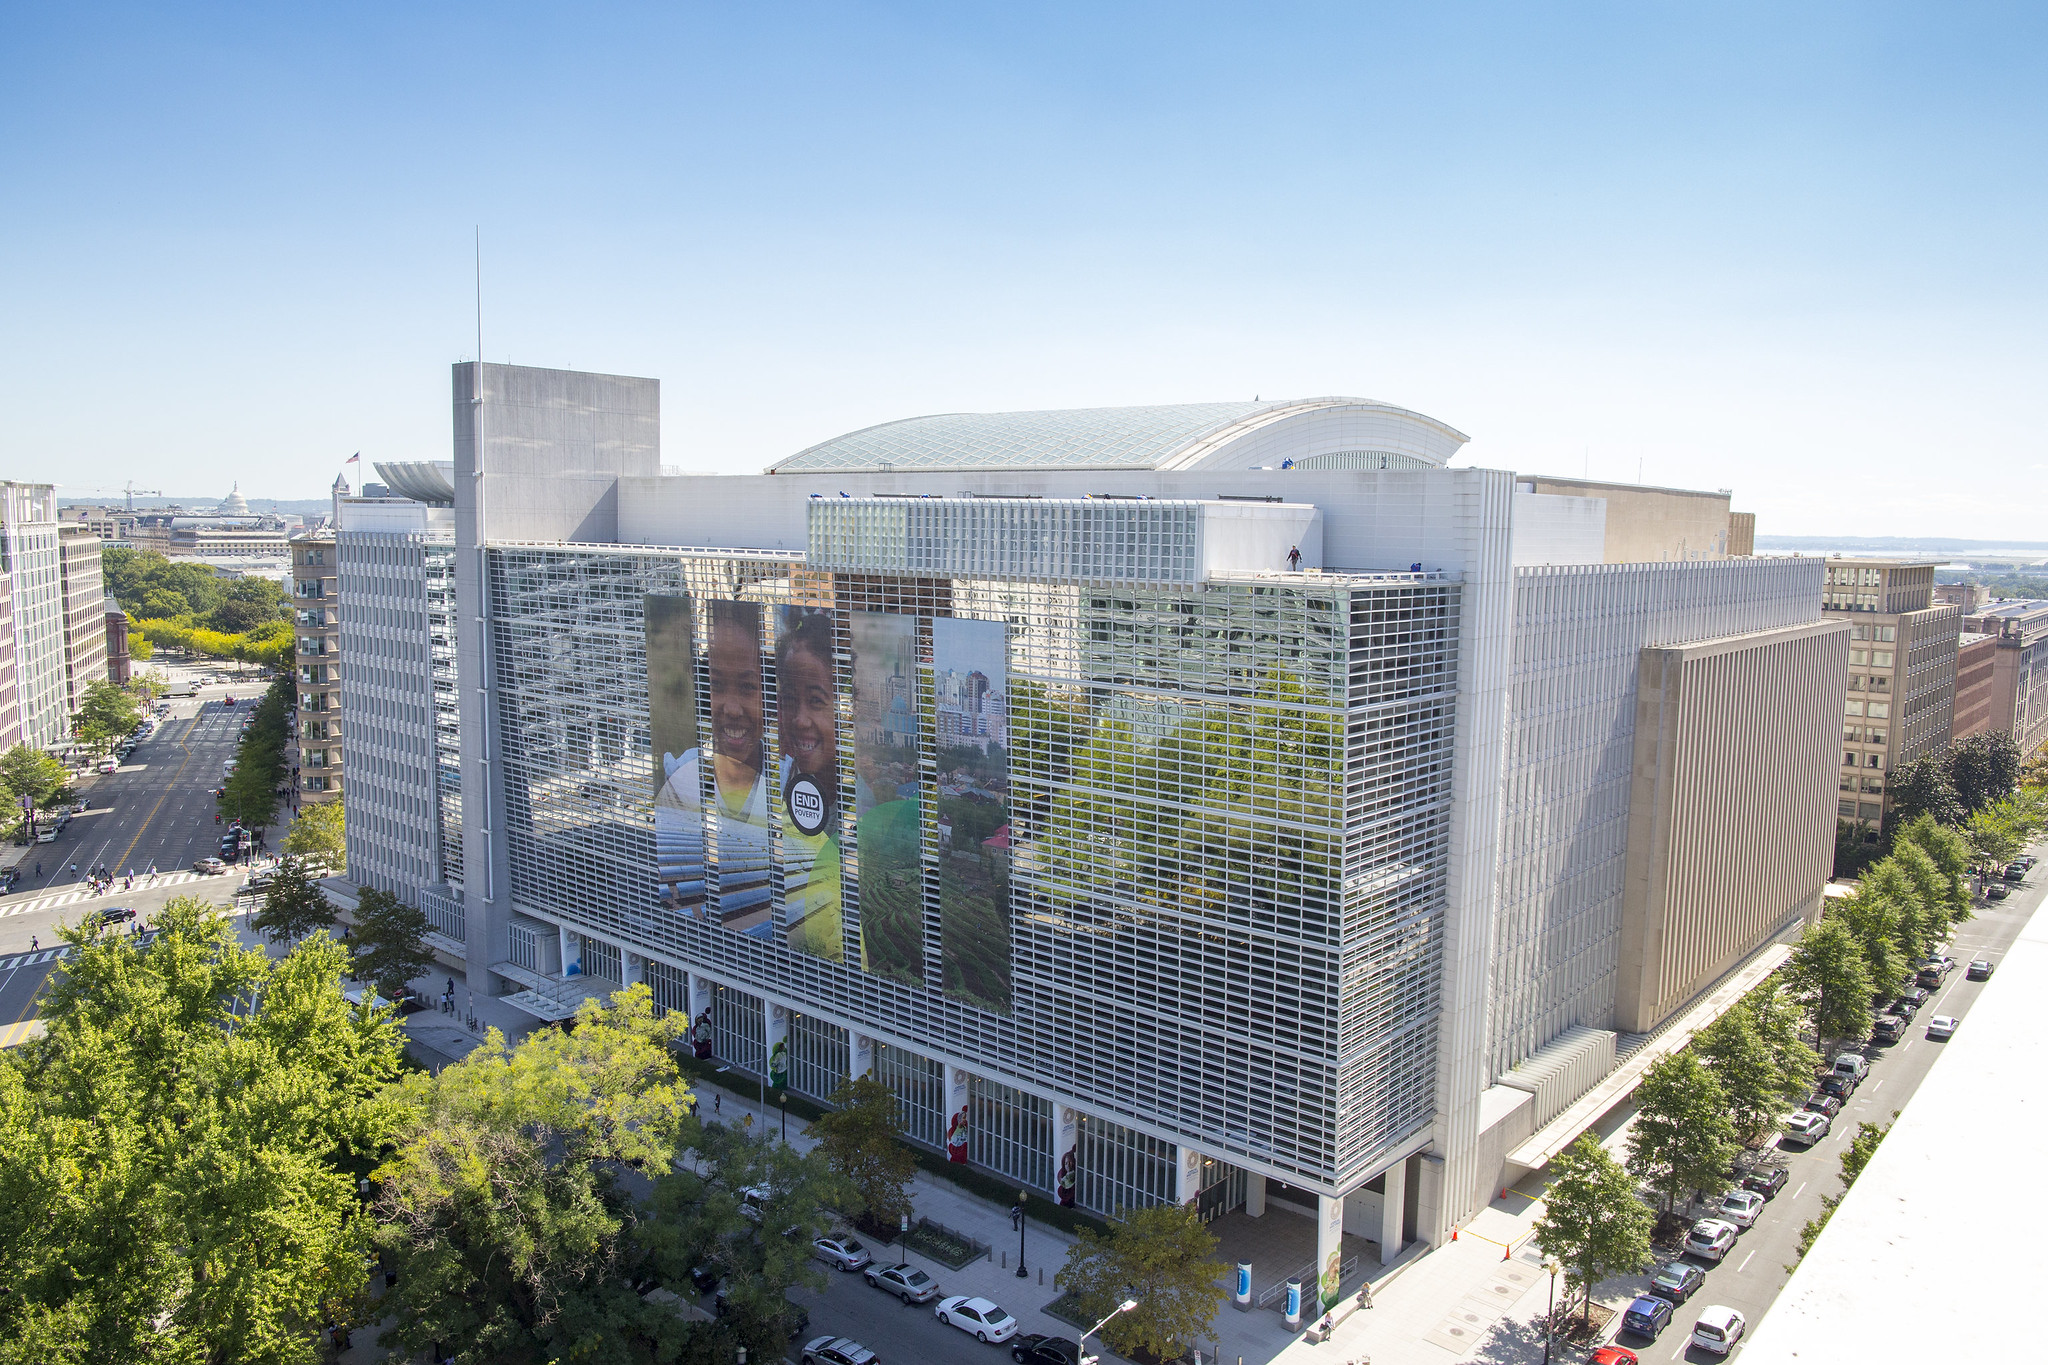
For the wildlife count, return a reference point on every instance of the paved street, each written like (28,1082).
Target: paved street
(158,809)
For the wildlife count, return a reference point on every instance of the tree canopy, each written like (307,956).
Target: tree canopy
(177,1152)
(390,939)
(1683,1139)
(318,834)
(293,905)
(151,586)
(106,712)
(1592,1221)
(1830,974)
(1159,1256)
(860,1139)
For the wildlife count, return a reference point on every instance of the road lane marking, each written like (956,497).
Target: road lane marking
(1875,1088)
(1801,1190)
(185,744)
(1745,1263)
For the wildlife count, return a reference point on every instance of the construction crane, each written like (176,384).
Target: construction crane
(131,490)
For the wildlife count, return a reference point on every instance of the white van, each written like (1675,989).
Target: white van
(1852,1064)
(1718,1329)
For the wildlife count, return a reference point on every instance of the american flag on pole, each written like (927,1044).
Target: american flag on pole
(354,459)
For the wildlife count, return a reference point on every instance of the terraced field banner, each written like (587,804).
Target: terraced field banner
(672,721)
(887,811)
(970,683)
(807,735)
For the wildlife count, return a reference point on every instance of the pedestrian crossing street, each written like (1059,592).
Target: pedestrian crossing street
(35,958)
(72,895)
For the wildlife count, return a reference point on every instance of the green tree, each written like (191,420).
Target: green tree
(1593,1222)
(27,771)
(246,604)
(861,1141)
(1683,1139)
(105,713)
(1829,973)
(293,905)
(178,1152)
(1950,853)
(1994,838)
(1923,787)
(318,835)
(1756,1083)
(1160,1256)
(1873,918)
(390,939)
(1983,769)
(1780,1023)
(506,1207)
(1921,883)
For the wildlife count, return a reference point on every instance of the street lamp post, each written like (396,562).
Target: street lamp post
(1017,1218)
(1126,1306)
(782,1103)
(1550,1319)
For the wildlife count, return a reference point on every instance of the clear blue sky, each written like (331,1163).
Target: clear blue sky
(1791,250)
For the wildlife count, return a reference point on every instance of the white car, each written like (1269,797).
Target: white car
(109,765)
(979,1316)
(1942,1027)
(905,1282)
(1710,1239)
(1741,1207)
(1718,1329)
(1807,1126)
(841,1253)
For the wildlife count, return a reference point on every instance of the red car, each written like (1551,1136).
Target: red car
(1612,1355)
(228,701)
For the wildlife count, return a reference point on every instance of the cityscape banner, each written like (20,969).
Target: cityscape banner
(672,724)
(970,681)
(739,780)
(887,812)
(807,736)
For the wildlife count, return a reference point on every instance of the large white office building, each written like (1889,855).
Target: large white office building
(29,555)
(1211,803)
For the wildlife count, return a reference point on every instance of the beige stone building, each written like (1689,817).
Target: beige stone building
(84,610)
(2018,699)
(1900,703)
(1651,525)
(1976,676)
(316,623)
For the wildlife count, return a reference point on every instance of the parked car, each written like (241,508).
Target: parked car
(837,1351)
(1909,1002)
(1710,1238)
(1996,892)
(1613,1355)
(1036,1348)
(2015,873)
(1932,971)
(1806,1127)
(1980,969)
(841,1253)
(48,836)
(1647,1317)
(981,1317)
(907,1283)
(1851,1064)
(1741,1207)
(1678,1281)
(1842,1087)
(1888,1029)
(1766,1180)
(1941,1028)
(109,765)
(209,867)
(1718,1329)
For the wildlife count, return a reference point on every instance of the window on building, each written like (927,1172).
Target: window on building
(1881,658)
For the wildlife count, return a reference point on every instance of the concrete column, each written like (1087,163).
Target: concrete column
(1254,1195)
(1066,1152)
(1329,1249)
(778,1045)
(572,952)
(1188,1180)
(957,1080)
(1433,1222)
(860,1055)
(1391,1205)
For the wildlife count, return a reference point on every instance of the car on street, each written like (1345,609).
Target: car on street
(1036,1348)
(1888,1029)
(48,836)
(1647,1317)
(837,1351)
(1613,1355)
(1996,892)
(1932,971)
(227,700)
(1766,1180)
(115,914)
(110,765)
(1980,969)
(985,1320)
(2015,873)
(1851,1064)
(907,1283)
(1718,1329)
(1741,1207)
(1942,1027)
(1908,1002)
(1678,1281)
(209,867)
(1841,1087)
(1806,1127)
(841,1253)
(1710,1239)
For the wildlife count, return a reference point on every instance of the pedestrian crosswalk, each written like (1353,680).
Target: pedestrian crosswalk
(74,894)
(35,958)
